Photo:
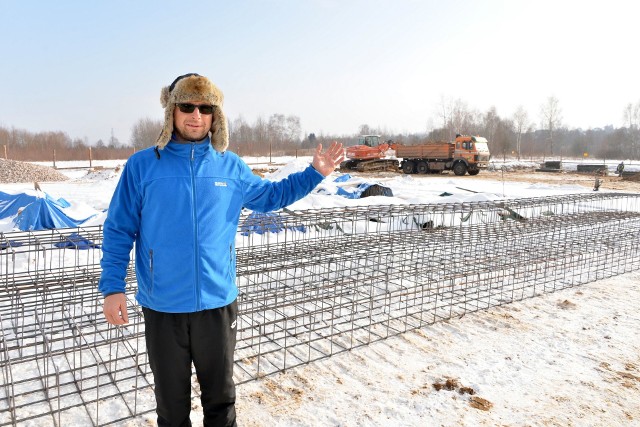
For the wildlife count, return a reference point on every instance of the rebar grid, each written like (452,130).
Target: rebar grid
(312,284)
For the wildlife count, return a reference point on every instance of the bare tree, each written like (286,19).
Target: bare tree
(444,113)
(145,133)
(277,130)
(283,131)
(550,113)
(490,122)
(365,129)
(520,123)
(293,129)
(502,136)
(461,119)
(261,136)
(241,135)
(631,117)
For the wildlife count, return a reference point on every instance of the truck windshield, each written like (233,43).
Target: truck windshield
(482,146)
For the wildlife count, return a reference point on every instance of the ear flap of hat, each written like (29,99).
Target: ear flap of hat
(219,131)
(164,96)
(167,128)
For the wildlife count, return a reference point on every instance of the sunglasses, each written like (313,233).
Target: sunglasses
(190,108)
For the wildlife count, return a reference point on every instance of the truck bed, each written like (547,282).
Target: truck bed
(434,150)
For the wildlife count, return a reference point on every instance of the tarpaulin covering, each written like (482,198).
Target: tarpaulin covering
(353,193)
(261,223)
(76,241)
(365,190)
(36,213)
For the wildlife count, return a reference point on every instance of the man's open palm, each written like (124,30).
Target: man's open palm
(327,162)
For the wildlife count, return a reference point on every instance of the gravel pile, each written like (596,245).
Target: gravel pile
(13,171)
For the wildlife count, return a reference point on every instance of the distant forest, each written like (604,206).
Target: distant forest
(517,136)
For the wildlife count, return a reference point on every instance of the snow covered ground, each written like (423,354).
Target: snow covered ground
(90,191)
(570,358)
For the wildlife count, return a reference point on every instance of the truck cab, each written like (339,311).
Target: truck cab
(474,150)
(369,140)
(481,147)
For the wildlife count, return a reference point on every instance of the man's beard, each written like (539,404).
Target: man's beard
(181,137)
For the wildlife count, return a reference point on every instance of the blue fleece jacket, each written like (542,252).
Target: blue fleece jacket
(182,211)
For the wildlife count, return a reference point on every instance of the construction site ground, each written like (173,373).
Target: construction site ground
(607,183)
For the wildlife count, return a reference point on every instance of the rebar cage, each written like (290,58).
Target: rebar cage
(312,284)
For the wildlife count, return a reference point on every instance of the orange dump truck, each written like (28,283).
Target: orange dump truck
(465,154)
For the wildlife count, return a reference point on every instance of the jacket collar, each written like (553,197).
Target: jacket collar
(185,149)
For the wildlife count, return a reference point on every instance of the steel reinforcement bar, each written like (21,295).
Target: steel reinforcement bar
(312,284)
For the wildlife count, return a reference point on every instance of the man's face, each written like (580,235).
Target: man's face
(192,126)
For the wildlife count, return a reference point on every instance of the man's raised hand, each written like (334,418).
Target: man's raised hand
(327,162)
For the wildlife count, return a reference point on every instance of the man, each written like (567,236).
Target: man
(180,203)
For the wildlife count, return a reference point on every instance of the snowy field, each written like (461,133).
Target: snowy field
(570,358)
(89,192)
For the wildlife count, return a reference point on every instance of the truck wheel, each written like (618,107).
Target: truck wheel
(459,169)
(422,167)
(474,171)
(408,167)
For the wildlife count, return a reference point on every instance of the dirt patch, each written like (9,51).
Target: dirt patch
(566,305)
(261,172)
(276,394)
(480,403)
(449,384)
(627,378)
(635,177)
(452,384)
(607,183)
(466,390)
(610,182)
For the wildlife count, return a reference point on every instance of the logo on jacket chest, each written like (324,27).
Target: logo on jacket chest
(220,183)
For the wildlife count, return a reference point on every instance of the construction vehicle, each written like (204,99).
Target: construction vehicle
(370,155)
(464,154)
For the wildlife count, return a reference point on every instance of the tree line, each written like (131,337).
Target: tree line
(22,145)
(517,136)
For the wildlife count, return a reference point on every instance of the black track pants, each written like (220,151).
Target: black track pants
(206,338)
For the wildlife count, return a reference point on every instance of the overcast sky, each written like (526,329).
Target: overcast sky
(88,68)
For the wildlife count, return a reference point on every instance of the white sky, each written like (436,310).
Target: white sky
(88,68)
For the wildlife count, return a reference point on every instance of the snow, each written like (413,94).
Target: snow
(569,358)
(562,359)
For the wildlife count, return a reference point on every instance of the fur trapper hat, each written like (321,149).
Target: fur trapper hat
(197,88)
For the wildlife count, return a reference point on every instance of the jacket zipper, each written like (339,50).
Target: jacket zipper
(151,271)
(195,226)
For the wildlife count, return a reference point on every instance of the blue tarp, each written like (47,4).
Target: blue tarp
(261,223)
(76,241)
(9,244)
(38,213)
(354,193)
(343,178)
